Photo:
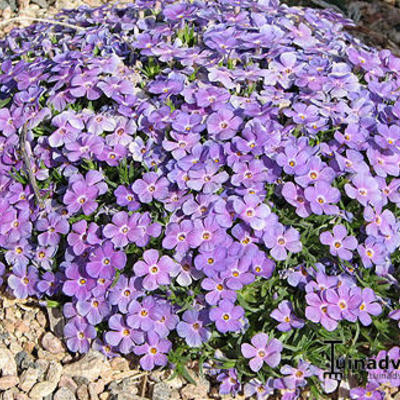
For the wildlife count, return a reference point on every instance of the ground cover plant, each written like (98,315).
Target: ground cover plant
(209,181)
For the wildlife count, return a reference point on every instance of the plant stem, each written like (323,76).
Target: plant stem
(44,20)
(27,162)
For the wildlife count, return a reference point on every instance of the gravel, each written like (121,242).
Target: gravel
(35,364)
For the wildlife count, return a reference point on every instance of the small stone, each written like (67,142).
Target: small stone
(42,366)
(81,380)
(104,396)
(21,396)
(8,381)
(42,389)
(175,383)
(54,372)
(27,362)
(27,379)
(91,366)
(197,391)
(3,4)
(119,363)
(161,391)
(82,393)
(68,382)
(64,394)
(52,344)
(10,394)
(126,396)
(21,327)
(130,385)
(7,362)
(20,357)
(29,346)
(95,388)
(56,320)
(157,376)
(40,3)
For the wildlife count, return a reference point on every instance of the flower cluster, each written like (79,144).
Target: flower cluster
(189,177)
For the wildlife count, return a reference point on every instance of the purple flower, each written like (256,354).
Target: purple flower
(153,351)
(285,315)
(151,187)
(78,283)
(364,189)
(217,290)
(294,195)
(154,268)
(7,124)
(320,196)
(369,306)
(280,241)
(237,274)
(22,281)
(206,234)
(84,84)
(252,211)
(317,311)
(51,226)
(83,236)
(167,320)
(79,334)
(126,198)
(296,377)
(370,392)
(123,293)
(230,384)
(121,335)
(143,315)
(81,195)
(176,236)
(206,179)
(339,243)
(262,349)
(43,256)
(371,252)
(94,309)
(395,315)
(344,303)
(227,316)
(126,229)
(184,271)
(192,327)
(104,260)
(68,126)
(223,124)
(255,388)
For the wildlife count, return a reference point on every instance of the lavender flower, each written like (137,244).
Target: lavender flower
(154,268)
(339,243)
(192,328)
(262,349)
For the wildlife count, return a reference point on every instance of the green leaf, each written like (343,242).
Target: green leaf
(4,102)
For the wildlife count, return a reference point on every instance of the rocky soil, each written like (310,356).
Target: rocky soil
(34,365)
